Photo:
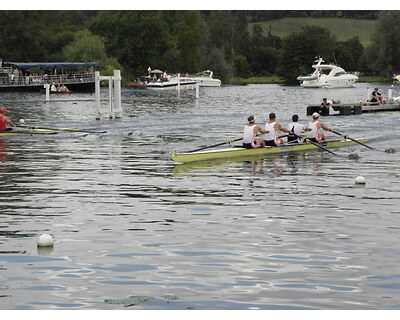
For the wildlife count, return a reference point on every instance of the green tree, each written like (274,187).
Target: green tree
(241,65)
(138,39)
(20,35)
(190,42)
(89,47)
(215,61)
(383,56)
(262,55)
(300,49)
(348,53)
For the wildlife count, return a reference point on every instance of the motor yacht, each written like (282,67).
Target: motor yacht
(328,76)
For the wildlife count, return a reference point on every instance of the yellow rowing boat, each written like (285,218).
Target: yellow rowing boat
(239,152)
(25,132)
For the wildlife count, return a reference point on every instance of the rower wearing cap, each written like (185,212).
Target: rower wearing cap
(250,132)
(315,135)
(271,138)
(4,120)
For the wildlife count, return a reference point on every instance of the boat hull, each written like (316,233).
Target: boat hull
(75,87)
(321,83)
(239,152)
(172,86)
(207,82)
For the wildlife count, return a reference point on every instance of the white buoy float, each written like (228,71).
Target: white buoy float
(360,180)
(45,240)
(21,121)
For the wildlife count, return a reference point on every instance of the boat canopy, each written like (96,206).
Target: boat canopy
(27,65)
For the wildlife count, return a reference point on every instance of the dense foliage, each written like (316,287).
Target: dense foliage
(191,41)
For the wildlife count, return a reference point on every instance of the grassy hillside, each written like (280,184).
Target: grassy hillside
(343,29)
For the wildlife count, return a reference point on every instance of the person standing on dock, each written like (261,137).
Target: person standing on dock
(272,127)
(4,120)
(315,134)
(250,132)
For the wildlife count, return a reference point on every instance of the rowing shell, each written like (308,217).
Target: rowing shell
(239,152)
(25,132)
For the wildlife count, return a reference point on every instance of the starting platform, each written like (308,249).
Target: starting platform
(353,108)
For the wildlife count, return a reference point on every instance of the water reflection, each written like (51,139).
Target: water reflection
(3,152)
(135,230)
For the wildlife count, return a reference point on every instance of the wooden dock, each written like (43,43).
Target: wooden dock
(353,108)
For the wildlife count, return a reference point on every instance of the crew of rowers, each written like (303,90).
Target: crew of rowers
(296,132)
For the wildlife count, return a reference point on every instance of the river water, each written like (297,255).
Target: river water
(133,230)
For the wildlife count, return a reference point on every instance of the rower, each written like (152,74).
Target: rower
(4,120)
(250,132)
(315,134)
(271,139)
(296,129)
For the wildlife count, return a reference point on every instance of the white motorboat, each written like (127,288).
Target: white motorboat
(205,79)
(328,76)
(167,82)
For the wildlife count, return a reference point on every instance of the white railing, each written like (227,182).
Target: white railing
(16,80)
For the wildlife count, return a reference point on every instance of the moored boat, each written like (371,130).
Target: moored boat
(328,76)
(173,83)
(32,76)
(239,152)
(205,79)
(141,82)
(161,81)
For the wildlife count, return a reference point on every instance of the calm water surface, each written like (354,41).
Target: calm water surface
(133,230)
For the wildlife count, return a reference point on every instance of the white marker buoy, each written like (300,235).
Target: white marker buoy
(360,180)
(45,240)
(21,121)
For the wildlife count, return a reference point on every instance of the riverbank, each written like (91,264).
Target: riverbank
(278,80)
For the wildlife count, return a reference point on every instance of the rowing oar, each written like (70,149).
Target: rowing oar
(317,145)
(216,145)
(62,129)
(363,144)
(347,137)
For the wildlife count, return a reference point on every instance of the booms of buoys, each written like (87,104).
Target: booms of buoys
(360,180)
(45,240)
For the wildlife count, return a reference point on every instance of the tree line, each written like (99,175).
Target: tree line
(191,41)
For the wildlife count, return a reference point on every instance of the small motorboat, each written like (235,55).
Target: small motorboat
(205,79)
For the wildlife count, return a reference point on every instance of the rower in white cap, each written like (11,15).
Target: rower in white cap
(315,135)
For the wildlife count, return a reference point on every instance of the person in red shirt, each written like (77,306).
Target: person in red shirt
(4,120)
